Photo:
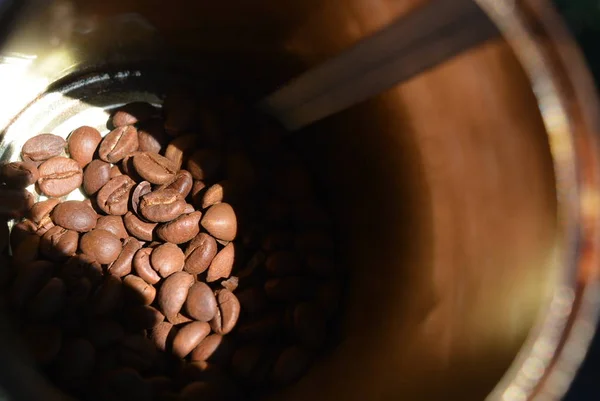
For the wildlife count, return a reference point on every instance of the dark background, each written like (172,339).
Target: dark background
(583,19)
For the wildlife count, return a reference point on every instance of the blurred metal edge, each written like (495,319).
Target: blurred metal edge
(562,83)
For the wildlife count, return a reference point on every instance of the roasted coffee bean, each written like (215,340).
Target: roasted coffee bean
(14,203)
(143,268)
(59,176)
(103,332)
(228,312)
(160,334)
(201,303)
(309,325)
(182,183)
(49,301)
(220,221)
(138,228)
(138,291)
(162,205)
(83,143)
(283,263)
(204,164)
(197,193)
(200,253)
(19,174)
(95,176)
(154,168)
(263,330)
(167,259)
(115,171)
(40,211)
(108,296)
(216,193)
(128,168)
(112,224)
(173,293)
(101,245)
(59,243)
(215,349)
(180,148)
(119,143)
(188,337)
(189,209)
(113,198)
(43,147)
(30,279)
(180,230)
(289,289)
(152,136)
(222,264)
(75,215)
(76,359)
(133,113)
(43,341)
(124,384)
(122,266)
(231,283)
(160,384)
(137,352)
(140,190)
(141,317)
(20,231)
(291,365)
(246,360)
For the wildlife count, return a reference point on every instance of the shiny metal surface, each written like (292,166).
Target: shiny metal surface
(466,197)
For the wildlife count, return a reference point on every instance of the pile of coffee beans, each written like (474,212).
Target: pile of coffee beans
(198,265)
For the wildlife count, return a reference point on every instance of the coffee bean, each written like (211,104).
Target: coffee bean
(189,209)
(103,332)
(14,203)
(220,221)
(188,337)
(222,264)
(115,171)
(76,359)
(142,317)
(138,291)
(83,143)
(124,384)
(59,243)
(26,249)
(49,301)
(133,113)
(43,147)
(201,303)
(160,334)
(197,193)
(154,168)
(309,325)
(152,136)
(204,164)
(167,259)
(291,365)
(74,215)
(253,301)
(283,263)
(59,176)
(180,230)
(137,352)
(95,176)
(162,205)
(246,360)
(228,311)
(138,228)
(40,212)
(123,264)
(200,253)
(30,279)
(231,283)
(264,329)
(216,194)
(19,174)
(215,349)
(44,341)
(20,231)
(182,183)
(112,224)
(143,268)
(180,148)
(113,198)
(173,293)
(119,143)
(140,190)
(101,245)
(160,384)
(108,296)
